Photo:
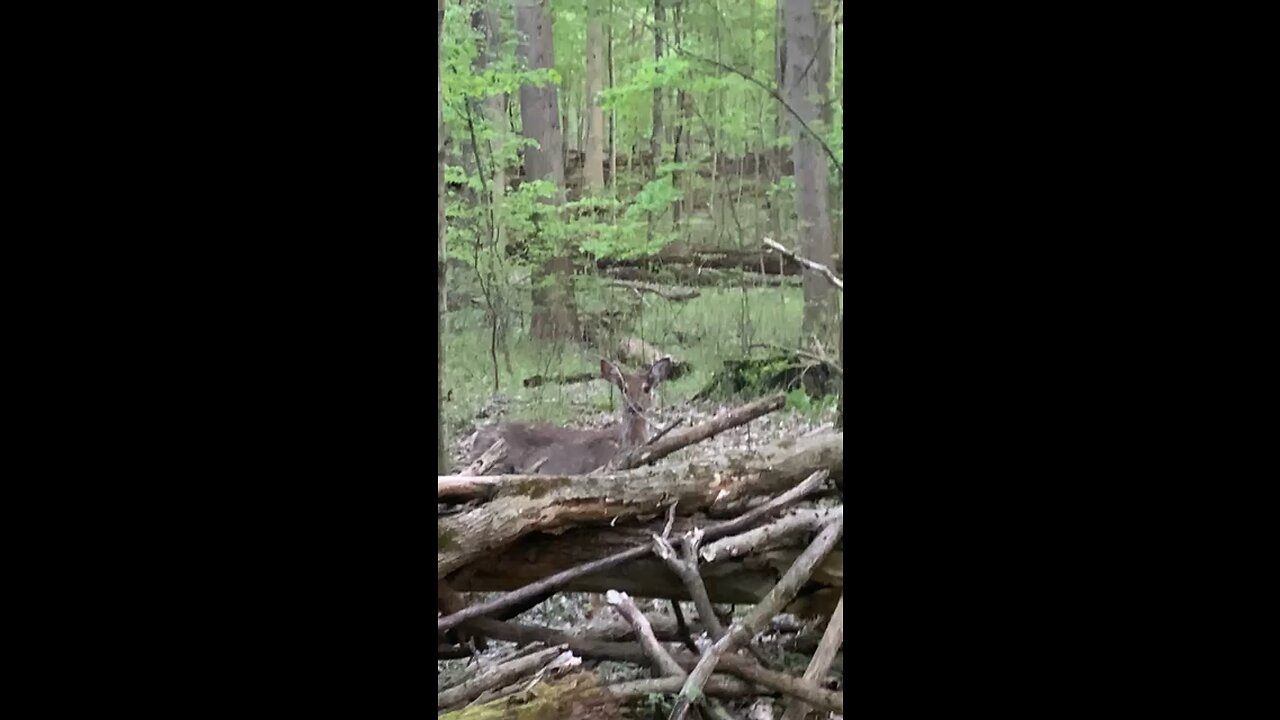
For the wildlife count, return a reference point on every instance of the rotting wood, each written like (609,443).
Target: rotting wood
(525,504)
(748,519)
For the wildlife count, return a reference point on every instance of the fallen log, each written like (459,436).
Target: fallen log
(524,504)
(686,275)
(736,581)
(761,261)
(541,588)
(563,379)
(673,294)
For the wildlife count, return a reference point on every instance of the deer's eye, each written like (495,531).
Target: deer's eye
(645,388)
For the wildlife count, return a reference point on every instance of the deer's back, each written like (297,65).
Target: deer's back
(565,449)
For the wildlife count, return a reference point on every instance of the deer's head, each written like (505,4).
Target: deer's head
(637,389)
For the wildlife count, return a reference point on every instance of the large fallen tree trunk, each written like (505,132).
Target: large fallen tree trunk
(750,260)
(690,276)
(728,579)
(524,504)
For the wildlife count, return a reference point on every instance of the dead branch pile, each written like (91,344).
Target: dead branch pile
(762,528)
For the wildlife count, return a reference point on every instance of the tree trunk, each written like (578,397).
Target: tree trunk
(495,106)
(594,169)
(813,214)
(555,314)
(655,140)
(442,462)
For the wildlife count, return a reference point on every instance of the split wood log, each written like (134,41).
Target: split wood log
(658,449)
(821,661)
(497,676)
(524,504)
(548,584)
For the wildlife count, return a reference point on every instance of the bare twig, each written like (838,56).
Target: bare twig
(821,661)
(655,451)
(672,426)
(742,667)
(816,267)
(805,520)
(743,631)
(686,636)
(662,660)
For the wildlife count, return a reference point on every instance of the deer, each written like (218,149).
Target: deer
(549,450)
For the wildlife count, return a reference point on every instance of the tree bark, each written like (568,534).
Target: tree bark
(555,313)
(594,169)
(655,139)
(442,460)
(805,93)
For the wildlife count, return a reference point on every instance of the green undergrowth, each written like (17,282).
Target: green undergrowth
(720,324)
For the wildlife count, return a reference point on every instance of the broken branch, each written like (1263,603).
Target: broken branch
(816,267)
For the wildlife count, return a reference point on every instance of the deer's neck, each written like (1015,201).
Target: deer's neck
(633,431)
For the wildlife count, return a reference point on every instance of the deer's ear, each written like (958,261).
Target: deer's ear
(660,371)
(609,372)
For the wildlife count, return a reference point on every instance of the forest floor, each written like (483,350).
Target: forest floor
(718,325)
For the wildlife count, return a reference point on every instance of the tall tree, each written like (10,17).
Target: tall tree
(594,170)
(805,95)
(555,314)
(655,139)
(442,466)
(486,21)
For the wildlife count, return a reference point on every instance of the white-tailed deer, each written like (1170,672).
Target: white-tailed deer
(551,450)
